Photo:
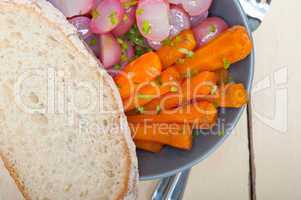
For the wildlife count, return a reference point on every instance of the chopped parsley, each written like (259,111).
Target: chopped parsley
(158,81)
(139,11)
(213,90)
(227,63)
(212,29)
(95,13)
(167,42)
(140,109)
(146,27)
(158,109)
(145,96)
(128,4)
(93,42)
(188,53)
(117,66)
(174,89)
(113,18)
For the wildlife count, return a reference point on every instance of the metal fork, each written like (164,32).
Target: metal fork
(172,188)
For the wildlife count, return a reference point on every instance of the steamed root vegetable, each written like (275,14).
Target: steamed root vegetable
(148,146)
(175,49)
(82,25)
(72,8)
(128,19)
(202,113)
(153,20)
(106,16)
(231,46)
(168,81)
(110,50)
(200,85)
(175,135)
(143,69)
(193,7)
(93,42)
(208,30)
(179,20)
(195,20)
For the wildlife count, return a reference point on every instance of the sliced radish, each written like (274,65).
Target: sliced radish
(153,19)
(196,7)
(209,29)
(93,42)
(195,20)
(110,50)
(179,20)
(175,1)
(154,44)
(72,8)
(106,16)
(127,21)
(82,24)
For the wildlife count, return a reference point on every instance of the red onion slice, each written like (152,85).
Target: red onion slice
(208,30)
(82,24)
(110,50)
(127,22)
(72,8)
(153,19)
(179,20)
(106,16)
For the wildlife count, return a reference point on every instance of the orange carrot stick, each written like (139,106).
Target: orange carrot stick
(146,92)
(171,52)
(198,113)
(143,69)
(231,95)
(201,84)
(231,46)
(175,135)
(148,146)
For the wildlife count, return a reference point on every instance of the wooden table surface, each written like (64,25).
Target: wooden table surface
(274,172)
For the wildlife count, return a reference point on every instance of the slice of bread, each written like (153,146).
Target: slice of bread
(63,134)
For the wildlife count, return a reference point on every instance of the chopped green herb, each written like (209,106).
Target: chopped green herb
(188,53)
(113,18)
(196,133)
(214,90)
(158,81)
(125,17)
(124,45)
(221,133)
(117,67)
(129,4)
(167,42)
(140,109)
(191,73)
(139,11)
(212,29)
(227,63)
(173,89)
(145,96)
(178,39)
(93,42)
(95,13)
(180,61)
(124,58)
(158,109)
(146,27)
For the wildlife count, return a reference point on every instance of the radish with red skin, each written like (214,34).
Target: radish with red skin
(195,20)
(106,16)
(179,20)
(110,50)
(193,7)
(72,8)
(154,44)
(153,19)
(209,29)
(82,25)
(127,22)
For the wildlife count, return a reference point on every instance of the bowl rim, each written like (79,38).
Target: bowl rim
(235,122)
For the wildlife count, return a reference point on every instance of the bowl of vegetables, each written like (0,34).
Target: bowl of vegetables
(183,69)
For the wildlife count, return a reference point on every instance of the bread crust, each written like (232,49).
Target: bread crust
(58,21)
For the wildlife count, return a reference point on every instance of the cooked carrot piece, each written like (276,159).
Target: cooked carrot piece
(177,48)
(231,95)
(201,84)
(198,113)
(175,135)
(231,46)
(143,69)
(148,146)
(146,92)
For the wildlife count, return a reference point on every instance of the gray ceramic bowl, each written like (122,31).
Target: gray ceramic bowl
(170,160)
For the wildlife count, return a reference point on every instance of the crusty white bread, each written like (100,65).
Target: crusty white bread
(59,139)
